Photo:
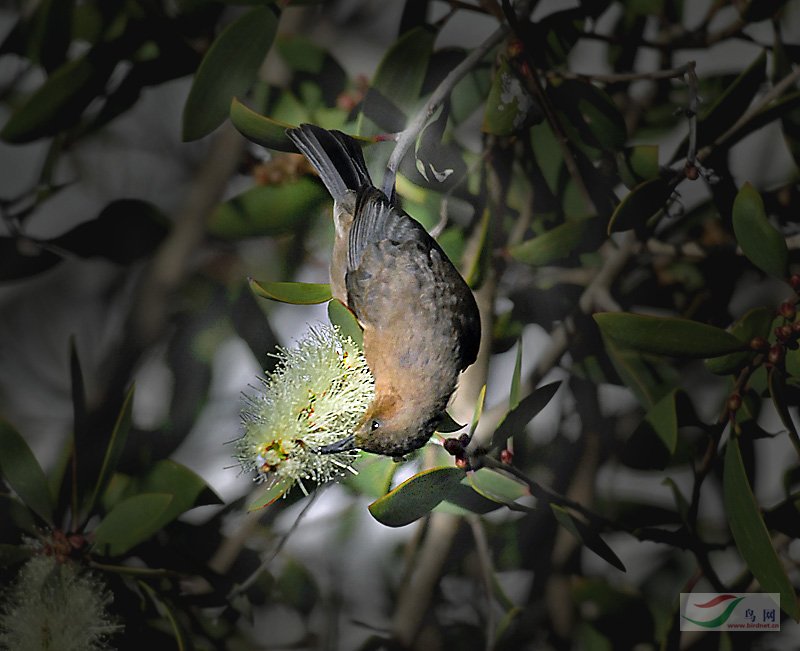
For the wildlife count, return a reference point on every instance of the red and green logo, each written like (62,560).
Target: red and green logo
(731,600)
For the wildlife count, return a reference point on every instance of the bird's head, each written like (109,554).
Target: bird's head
(391,428)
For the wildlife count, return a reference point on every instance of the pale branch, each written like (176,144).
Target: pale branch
(413,602)
(763,103)
(621,77)
(409,135)
(486,568)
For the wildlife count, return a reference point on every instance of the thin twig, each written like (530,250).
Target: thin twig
(268,560)
(622,77)
(407,137)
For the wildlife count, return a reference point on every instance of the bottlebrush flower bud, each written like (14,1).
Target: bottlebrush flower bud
(54,605)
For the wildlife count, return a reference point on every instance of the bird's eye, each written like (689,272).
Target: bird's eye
(375,424)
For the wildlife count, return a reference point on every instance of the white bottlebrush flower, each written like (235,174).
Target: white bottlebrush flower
(54,606)
(315,396)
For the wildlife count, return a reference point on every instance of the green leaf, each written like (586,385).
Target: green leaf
(592,114)
(750,533)
(663,418)
(553,245)
(776,380)
(131,522)
(667,335)
(497,486)
(640,205)
(654,441)
(637,164)
(267,210)
(516,419)
(340,316)
(754,323)
(447,425)
(58,102)
(508,105)
(228,70)
(587,536)
(464,500)
(261,129)
(188,489)
(294,293)
(114,449)
(755,10)
(763,245)
(416,497)
(23,473)
(374,476)
(397,84)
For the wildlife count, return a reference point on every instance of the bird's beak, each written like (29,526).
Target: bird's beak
(344,445)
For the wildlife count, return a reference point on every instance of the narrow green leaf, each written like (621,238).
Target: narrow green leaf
(269,495)
(23,473)
(268,210)
(640,204)
(667,335)
(497,486)
(476,415)
(228,70)
(416,497)
(556,244)
(166,611)
(750,533)
(587,536)
(294,293)
(763,245)
(130,522)
(340,316)
(261,129)
(517,418)
(116,444)
(516,379)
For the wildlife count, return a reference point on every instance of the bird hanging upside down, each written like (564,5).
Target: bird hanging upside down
(421,322)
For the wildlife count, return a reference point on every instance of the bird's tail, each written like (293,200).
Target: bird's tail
(335,156)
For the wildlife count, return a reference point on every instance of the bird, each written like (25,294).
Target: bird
(420,320)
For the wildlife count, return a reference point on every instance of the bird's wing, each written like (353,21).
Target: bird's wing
(375,219)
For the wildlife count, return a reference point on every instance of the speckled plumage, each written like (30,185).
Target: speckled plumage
(421,322)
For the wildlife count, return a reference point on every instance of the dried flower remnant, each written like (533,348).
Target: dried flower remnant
(315,396)
(53,606)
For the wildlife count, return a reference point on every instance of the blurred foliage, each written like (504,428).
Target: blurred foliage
(568,206)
